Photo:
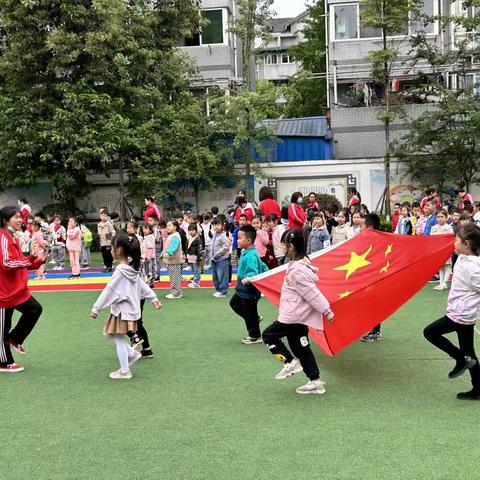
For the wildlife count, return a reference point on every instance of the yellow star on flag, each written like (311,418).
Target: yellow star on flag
(385,268)
(356,262)
(389,250)
(344,295)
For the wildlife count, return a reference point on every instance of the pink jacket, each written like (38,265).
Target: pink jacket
(261,242)
(300,300)
(38,243)
(74,240)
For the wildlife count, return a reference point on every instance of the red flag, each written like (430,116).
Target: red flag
(366,279)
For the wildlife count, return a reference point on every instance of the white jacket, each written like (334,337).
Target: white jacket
(123,294)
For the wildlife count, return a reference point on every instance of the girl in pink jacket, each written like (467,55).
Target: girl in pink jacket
(74,246)
(302,305)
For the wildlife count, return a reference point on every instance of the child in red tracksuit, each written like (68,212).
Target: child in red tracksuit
(14,293)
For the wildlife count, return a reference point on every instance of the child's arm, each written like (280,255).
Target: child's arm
(174,244)
(107,298)
(224,248)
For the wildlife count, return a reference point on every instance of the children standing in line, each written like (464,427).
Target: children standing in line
(149,254)
(301,305)
(442,228)
(404,224)
(396,216)
(330,219)
(173,259)
(74,246)
(220,263)
(106,232)
(245,300)
(278,229)
(261,240)
(462,311)
(59,240)
(342,231)
(319,237)
(38,248)
(194,255)
(356,222)
(123,294)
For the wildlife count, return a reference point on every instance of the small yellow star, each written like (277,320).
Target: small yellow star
(344,295)
(385,268)
(356,262)
(389,250)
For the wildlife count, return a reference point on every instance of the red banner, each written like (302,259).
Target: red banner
(366,279)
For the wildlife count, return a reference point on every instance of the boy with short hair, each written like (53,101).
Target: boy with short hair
(244,302)
(106,232)
(396,216)
(220,259)
(194,255)
(242,220)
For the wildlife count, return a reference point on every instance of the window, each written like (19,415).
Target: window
(212,31)
(420,24)
(272,59)
(346,22)
(288,58)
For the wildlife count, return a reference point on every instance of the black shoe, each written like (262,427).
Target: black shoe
(157,278)
(147,353)
(71,277)
(471,395)
(461,367)
(135,340)
(109,269)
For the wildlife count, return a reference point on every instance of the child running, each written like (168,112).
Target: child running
(301,305)
(244,302)
(123,294)
(442,228)
(462,311)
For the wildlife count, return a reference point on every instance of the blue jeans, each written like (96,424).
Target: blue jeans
(220,275)
(196,273)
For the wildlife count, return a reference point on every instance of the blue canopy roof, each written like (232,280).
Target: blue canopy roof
(301,127)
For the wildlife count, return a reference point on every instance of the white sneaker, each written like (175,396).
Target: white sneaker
(313,386)
(219,295)
(170,296)
(438,287)
(445,286)
(51,262)
(251,341)
(289,369)
(119,375)
(136,356)
(193,285)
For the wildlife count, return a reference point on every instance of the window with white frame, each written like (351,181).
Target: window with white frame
(346,21)
(287,58)
(272,59)
(421,24)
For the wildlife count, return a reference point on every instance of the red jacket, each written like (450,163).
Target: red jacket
(269,206)
(248,211)
(395,220)
(152,209)
(296,216)
(13,271)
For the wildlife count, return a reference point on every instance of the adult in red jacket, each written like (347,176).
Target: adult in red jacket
(14,293)
(296,215)
(152,209)
(268,204)
(244,208)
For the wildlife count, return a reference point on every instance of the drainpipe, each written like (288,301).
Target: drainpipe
(327,51)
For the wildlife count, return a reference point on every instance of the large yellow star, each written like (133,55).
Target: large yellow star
(385,268)
(389,250)
(356,262)
(344,295)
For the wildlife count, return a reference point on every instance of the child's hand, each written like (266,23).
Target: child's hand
(157,305)
(246,281)
(165,255)
(93,315)
(330,317)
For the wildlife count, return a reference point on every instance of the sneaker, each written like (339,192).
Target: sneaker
(219,295)
(12,368)
(289,369)
(461,367)
(157,278)
(435,278)
(377,337)
(136,356)
(147,353)
(193,285)
(52,262)
(86,267)
(136,340)
(170,296)
(367,338)
(438,287)
(260,319)
(312,387)
(251,341)
(17,347)
(119,375)
(470,395)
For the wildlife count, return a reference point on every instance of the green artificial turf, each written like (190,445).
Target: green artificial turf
(207,407)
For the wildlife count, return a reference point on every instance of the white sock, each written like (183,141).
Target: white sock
(442,276)
(122,352)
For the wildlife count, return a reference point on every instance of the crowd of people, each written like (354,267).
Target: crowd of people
(255,239)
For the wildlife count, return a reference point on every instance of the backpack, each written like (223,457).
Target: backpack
(87,238)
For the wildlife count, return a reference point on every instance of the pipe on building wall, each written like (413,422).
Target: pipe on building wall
(327,49)
(235,52)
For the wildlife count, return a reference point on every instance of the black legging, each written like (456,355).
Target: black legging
(31,311)
(141,331)
(435,332)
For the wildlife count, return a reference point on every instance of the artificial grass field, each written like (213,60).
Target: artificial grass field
(207,407)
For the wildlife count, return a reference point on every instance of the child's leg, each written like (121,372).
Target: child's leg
(124,351)
(441,275)
(272,336)
(175,274)
(215,275)
(6,357)
(196,273)
(466,334)
(434,334)
(250,314)
(55,254)
(61,256)
(300,346)
(41,271)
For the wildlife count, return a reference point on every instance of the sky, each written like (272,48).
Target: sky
(288,8)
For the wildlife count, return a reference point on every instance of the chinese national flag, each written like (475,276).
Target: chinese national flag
(366,279)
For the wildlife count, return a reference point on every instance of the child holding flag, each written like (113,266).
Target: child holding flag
(462,311)
(301,305)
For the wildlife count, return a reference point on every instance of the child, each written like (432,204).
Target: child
(330,219)
(319,237)
(58,246)
(396,216)
(342,231)
(133,231)
(261,240)
(74,246)
(173,258)
(38,248)
(404,224)
(207,235)
(149,254)
(278,229)
(123,294)
(242,220)
(462,311)
(220,263)
(155,262)
(244,302)
(87,239)
(312,204)
(106,232)
(430,217)
(442,228)
(302,305)
(356,222)
(25,238)
(194,255)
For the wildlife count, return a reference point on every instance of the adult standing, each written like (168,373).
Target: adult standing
(14,293)
(296,215)
(268,205)
(152,209)
(243,208)
(25,209)
(464,198)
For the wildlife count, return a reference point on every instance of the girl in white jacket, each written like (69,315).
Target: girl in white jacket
(123,294)
(462,311)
